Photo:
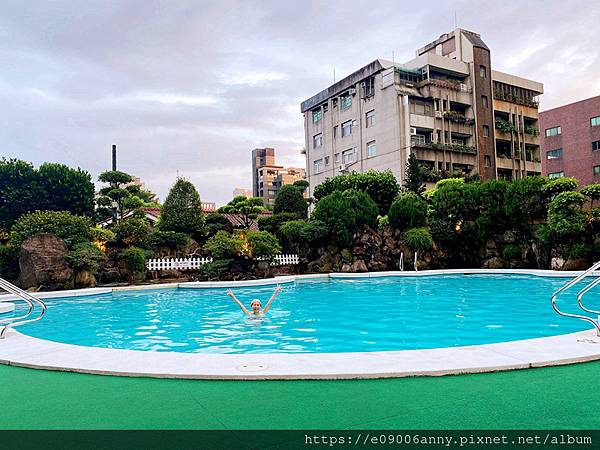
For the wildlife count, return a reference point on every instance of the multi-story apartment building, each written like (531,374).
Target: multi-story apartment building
(242,192)
(571,141)
(267,177)
(447,105)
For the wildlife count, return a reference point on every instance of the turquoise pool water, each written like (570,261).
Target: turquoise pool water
(343,315)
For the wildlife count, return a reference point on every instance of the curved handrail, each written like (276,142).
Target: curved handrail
(401,261)
(569,285)
(29,299)
(415,263)
(582,292)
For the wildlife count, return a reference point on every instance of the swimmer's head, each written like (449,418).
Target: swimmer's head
(255,305)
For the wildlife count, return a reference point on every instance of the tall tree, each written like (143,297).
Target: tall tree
(121,194)
(414,175)
(67,189)
(290,200)
(248,208)
(182,210)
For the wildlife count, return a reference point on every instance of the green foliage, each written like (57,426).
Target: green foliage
(418,239)
(124,198)
(383,221)
(524,201)
(273,223)
(135,259)
(408,211)
(115,177)
(248,208)
(428,194)
(9,262)
(216,222)
(182,210)
(54,187)
(511,252)
(213,270)
(591,191)
(102,235)
(85,256)
(262,244)
(567,221)
(492,218)
(382,187)
(581,250)
(302,185)
(344,213)
(449,181)
(301,234)
(558,185)
(132,232)
(414,176)
(170,239)
(224,245)
(72,229)
(290,200)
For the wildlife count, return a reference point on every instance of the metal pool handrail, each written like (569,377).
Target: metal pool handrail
(401,261)
(27,298)
(569,285)
(583,292)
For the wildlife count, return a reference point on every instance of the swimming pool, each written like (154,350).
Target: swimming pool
(318,316)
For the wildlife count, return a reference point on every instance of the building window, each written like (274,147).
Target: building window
(370,118)
(327,160)
(371,149)
(554,131)
(595,121)
(335,131)
(317,115)
(346,102)
(318,168)
(337,158)
(556,174)
(318,140)
(596,171)
(554,154)
(482,71)
(348,156)
(347,128)
(596,145)
(487,160)
(484,101)
(369,87)
(421,108)
(486,131)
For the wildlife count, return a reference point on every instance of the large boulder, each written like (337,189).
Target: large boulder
(85,279)
(494,263)
(43,262)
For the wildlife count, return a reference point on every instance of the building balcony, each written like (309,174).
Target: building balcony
(457,117)
(445,83)
(457,148)
(499,95)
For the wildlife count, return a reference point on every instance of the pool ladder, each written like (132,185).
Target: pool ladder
(580,294)
(28,317)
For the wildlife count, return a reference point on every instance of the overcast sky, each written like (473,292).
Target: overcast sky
(190,87)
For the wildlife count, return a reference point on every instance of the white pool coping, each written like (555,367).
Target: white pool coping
(21,350)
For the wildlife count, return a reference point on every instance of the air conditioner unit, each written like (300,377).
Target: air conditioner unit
(409,84)
(342,168)
(413,130)
(351,91)
(438,114)
(463,87)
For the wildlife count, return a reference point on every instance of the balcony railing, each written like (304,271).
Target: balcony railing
(457,117)
(447,83)
(499,95)
(458,148)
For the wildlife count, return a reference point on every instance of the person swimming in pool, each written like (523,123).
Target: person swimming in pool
(255,305)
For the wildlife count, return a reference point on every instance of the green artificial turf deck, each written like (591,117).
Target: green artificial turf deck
(550,398)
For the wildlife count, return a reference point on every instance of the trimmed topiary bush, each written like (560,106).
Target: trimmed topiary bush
(170,239)
(511,251)
(290,200)
(103,235)
(224,245)
(86,256)
(262,244)
(72,229)
(132,232)
(182,210)
(558,185)
(135,259)
(418,239)
(592,192)
(408,211)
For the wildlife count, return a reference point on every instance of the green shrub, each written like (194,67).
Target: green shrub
(72,229)
(135,259)
(132,232)
(449,181)
(290,200)
(492,218)
(224,245)
(581,250)
(408,211)
(512,251)
(344,213)
(262,244)
(169,239)
(216,222)
(524,202)
(182,210)
(98,234)
(558,185)
(418,239)
(86,256)
(383,222)
(273,223)
(213,270)
(302,185)
(9,262)
(382,187)
(591,191)
(566,219)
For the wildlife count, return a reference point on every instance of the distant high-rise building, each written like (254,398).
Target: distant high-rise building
(243,192)
(571,141)
(267,177)
(447,106)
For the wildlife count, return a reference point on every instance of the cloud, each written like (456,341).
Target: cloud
(189,88)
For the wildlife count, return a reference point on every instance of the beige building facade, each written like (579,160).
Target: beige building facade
(268,178)
(446,105)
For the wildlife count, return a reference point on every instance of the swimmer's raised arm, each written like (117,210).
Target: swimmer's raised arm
(232,295)
(268,305)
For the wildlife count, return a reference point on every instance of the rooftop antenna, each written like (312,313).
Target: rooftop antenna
(393,60)
(334,75)
(455,21)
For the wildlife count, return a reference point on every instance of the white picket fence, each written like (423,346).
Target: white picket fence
(194,263)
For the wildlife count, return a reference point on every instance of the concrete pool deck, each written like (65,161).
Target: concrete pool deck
(25,351)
